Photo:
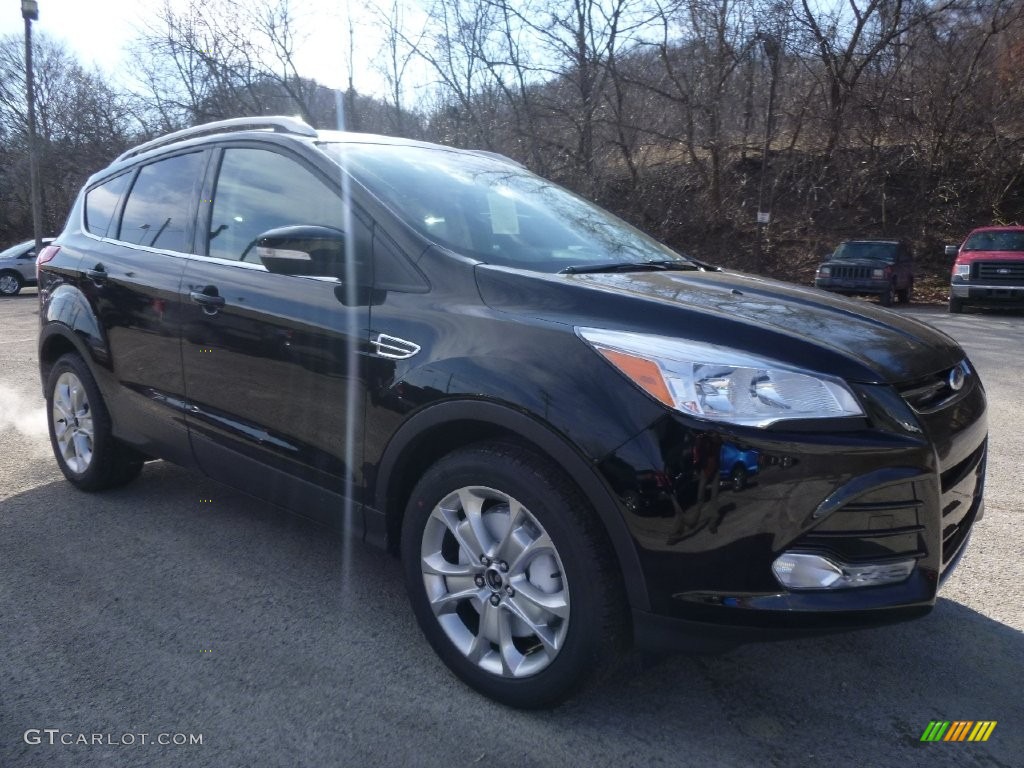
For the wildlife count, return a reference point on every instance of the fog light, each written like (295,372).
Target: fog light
(802,570)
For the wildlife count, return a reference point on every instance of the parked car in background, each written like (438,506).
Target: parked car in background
(989,269)
(517,393)
(18,267)
(882,268)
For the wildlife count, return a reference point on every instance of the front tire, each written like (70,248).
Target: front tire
(886,299)
(956,306)
(10,283)
(80,430)
(511,577)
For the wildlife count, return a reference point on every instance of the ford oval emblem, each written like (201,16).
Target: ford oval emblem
(1003,271)
(956,378)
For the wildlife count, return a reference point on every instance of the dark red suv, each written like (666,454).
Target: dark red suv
(882,268)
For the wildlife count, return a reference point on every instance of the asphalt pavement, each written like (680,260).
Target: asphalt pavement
(177,622)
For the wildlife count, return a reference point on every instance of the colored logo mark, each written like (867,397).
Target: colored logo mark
(958,730)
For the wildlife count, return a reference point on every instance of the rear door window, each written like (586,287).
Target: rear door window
(161,205)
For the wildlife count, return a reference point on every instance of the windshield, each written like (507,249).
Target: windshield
(877,251)
(998,240)
(15,250)
(494,211)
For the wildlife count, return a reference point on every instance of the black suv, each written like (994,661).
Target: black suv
(882,268)
(525,398)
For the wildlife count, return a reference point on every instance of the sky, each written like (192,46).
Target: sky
(98,31)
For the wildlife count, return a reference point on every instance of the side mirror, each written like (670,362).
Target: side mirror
(309,250)
(952,250)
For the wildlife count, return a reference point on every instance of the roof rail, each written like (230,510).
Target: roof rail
(277,123)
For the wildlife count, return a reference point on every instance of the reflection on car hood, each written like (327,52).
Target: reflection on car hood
(800,326)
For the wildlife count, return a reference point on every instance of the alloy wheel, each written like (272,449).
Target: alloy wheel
(9,285)
(495,582)
(72,422)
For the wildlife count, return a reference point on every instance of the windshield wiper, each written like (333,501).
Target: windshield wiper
(635,266)
(705,265)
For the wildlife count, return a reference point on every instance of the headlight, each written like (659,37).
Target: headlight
(878,274)
(721,384)
(962,271)
(824,271)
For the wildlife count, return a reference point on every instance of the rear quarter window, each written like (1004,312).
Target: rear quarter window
(101,204)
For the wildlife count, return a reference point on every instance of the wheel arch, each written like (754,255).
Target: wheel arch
(70,325)
(54,342)
(441,428)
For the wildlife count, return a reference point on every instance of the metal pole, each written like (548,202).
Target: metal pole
(771,49)
(30,12)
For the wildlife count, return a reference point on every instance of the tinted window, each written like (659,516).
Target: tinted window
(159,206)
(101,202)
(259,190)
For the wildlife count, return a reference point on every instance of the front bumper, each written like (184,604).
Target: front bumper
(902,484)
(988,294)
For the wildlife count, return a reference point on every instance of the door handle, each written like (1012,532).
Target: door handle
(207,299)
(97,274)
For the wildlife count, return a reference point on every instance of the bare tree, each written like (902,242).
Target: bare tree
(82,123)
(218,58)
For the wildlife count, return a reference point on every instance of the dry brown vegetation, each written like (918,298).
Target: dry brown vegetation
(862,118)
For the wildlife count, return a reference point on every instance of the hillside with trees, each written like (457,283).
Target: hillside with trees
(868,118)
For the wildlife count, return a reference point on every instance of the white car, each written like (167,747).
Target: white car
(18,267)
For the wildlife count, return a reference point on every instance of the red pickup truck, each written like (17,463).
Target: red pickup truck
(989,268)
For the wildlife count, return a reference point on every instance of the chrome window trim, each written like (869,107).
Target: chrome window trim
(204,259)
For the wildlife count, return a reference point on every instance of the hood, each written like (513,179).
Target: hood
(802,327)
(991,256)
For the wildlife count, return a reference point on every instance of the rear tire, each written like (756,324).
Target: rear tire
(511,576)
(80,430)
(10,283)
(905,295)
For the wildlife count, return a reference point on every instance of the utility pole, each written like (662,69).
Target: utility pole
(30,13)
(772,49)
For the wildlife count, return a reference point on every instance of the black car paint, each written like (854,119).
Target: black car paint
(158,357)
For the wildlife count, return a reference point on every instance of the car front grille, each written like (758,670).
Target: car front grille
(962,489)
(1009,272)
(929,516)
(887,523)
(847,272)
(933,392)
